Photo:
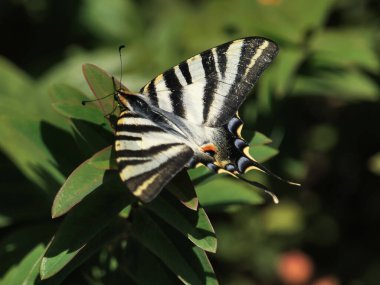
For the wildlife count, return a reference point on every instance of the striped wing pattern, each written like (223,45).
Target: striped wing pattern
(188,116)
(208,88)
(148,156)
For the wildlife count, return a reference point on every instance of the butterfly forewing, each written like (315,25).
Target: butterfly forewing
(147,155)
(208,88)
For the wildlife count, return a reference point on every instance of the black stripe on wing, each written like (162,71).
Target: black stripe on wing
(184,67)
(246,53)
(173,84)
(152,93)
(222,57)
(152,151)
(138,128)
(127,138)
(208,64)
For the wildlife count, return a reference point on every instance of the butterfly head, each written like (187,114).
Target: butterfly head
(129,100)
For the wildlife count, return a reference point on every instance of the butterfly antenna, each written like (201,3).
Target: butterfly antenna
(84,102)
(262,187)
(121,64)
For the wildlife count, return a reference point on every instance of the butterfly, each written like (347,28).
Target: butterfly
(187,116)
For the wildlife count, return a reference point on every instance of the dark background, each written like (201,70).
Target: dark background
(319,102)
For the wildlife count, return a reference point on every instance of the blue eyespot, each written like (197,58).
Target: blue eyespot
(230,167)
(240,144)
(243,163)
(213,167)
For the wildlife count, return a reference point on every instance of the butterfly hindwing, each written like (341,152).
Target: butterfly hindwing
(208,88)
(148,156)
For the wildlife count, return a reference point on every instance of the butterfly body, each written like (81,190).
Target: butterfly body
(188,116)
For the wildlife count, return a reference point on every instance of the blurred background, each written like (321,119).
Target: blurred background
(318,102)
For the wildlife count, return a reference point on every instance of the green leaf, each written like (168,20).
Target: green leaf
(194,225)
(83,222)
(22,141)
(224,191)
(102,84)
(146,268)
(195,256)
(81,182)
(284,71)
(124,23)
(91,137)
(182,187)
(149,234)
(20,257)
(25,137)
(18,90)
(259,139)
(68,102)
(262,153)
(26,271)
(345,48)
(104,159)
(205,264)
(306,16)
(14,85)
(95,245)
(200,174)
(349,85)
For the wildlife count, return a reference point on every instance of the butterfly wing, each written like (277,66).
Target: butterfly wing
(208,88)
(148,156)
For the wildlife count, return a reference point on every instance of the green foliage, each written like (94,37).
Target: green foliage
(57,160)
(95,201)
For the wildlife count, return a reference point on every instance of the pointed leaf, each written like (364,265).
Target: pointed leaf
(182,187)
(200,175)
(346,48)
(25,272)
(350,85)
(149,234)
(67,100)
(194,225)
(87,219)
(104,159)
(102,84)
(259,139)
(262,153)
(20,257)
(96,244)
(82,181)
(284,71)
(196,257)
(206,266)
(23,143)
(223,191)
(146,268)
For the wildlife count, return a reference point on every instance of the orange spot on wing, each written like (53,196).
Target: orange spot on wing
(208,147)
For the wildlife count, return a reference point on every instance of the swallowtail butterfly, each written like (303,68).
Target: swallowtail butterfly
(187,116)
